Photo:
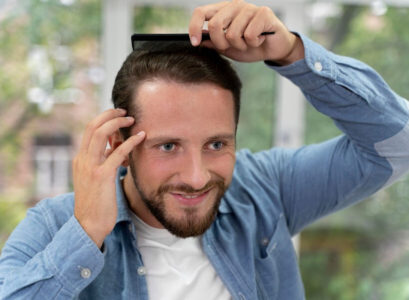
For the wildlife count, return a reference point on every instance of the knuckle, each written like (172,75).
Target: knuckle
(111,111)
(253,43)
(122,151)
(231,35)
(250,11)
(99,134)
(119,122)
(199,11)
(249,36)
(213,25)
(91,126)
(265,10)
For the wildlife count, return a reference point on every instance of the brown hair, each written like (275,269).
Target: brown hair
(178,62)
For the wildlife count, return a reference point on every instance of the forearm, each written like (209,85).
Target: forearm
(59,266)
(353,95)
(374,152)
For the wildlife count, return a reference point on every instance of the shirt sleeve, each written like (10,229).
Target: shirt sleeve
(373,153)
(58,264)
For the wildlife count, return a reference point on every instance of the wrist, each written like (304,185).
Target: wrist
(96,233)
(296,52)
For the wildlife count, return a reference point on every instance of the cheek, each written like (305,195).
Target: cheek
(153,169)
(223,166)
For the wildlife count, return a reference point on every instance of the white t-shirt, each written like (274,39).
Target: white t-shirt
(177,268)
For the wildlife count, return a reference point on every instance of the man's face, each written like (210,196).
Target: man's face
(186,161)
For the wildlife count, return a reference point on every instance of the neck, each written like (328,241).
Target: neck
(136,204)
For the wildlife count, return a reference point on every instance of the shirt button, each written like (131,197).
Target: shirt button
(85,273)
(141,271)
(264,242)
(318,66)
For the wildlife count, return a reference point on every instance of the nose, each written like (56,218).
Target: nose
(194,171)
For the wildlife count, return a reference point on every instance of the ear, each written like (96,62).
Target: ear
(115,140)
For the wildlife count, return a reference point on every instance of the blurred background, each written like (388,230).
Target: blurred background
(58,59)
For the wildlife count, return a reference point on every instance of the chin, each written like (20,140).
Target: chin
(191,221)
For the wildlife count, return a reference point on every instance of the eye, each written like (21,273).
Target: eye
(168,147)
(217,145)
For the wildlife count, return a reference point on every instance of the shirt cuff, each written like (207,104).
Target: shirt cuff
(315,70)
(74,257)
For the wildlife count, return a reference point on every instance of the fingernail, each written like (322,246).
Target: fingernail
(140,133)
(121,110)
(130,118)
(194,40)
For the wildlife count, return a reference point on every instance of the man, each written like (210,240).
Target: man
(187,218)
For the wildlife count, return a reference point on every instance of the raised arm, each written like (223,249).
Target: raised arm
(54,253)
(373,153)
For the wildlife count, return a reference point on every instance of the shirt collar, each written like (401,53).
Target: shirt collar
(124,212)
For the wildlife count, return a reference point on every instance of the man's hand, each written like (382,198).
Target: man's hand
(94,175)
(235,31)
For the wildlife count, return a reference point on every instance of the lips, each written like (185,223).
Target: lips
(190,199)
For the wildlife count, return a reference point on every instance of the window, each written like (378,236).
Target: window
(52,157)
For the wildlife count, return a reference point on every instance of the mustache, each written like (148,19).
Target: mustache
(185,188)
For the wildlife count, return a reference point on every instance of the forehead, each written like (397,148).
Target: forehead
(165,104)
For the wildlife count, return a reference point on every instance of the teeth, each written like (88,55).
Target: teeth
(190,197)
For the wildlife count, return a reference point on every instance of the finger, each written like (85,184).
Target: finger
(262,21)
(108,152)
(120,154)
(238,26)
(219,23)
(99,139)
(96,123)
(199,16)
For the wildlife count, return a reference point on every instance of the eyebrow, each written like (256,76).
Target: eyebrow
(166,139)
(227,136)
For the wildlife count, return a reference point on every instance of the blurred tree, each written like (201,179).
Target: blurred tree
(14,211)
(382,41)
(42,45)
(53,28)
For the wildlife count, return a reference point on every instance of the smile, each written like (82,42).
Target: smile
(190,199)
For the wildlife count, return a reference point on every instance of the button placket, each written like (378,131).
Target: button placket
(141,271)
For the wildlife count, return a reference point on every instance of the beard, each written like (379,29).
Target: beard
(190,224)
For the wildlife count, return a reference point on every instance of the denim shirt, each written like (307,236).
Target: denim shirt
(273,195)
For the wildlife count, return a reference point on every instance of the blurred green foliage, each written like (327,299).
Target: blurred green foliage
(381,257)
(257,115)
(150,18)
(383,43)
(51,26)
(11,213)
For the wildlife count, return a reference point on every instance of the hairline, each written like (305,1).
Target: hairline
(136,111)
